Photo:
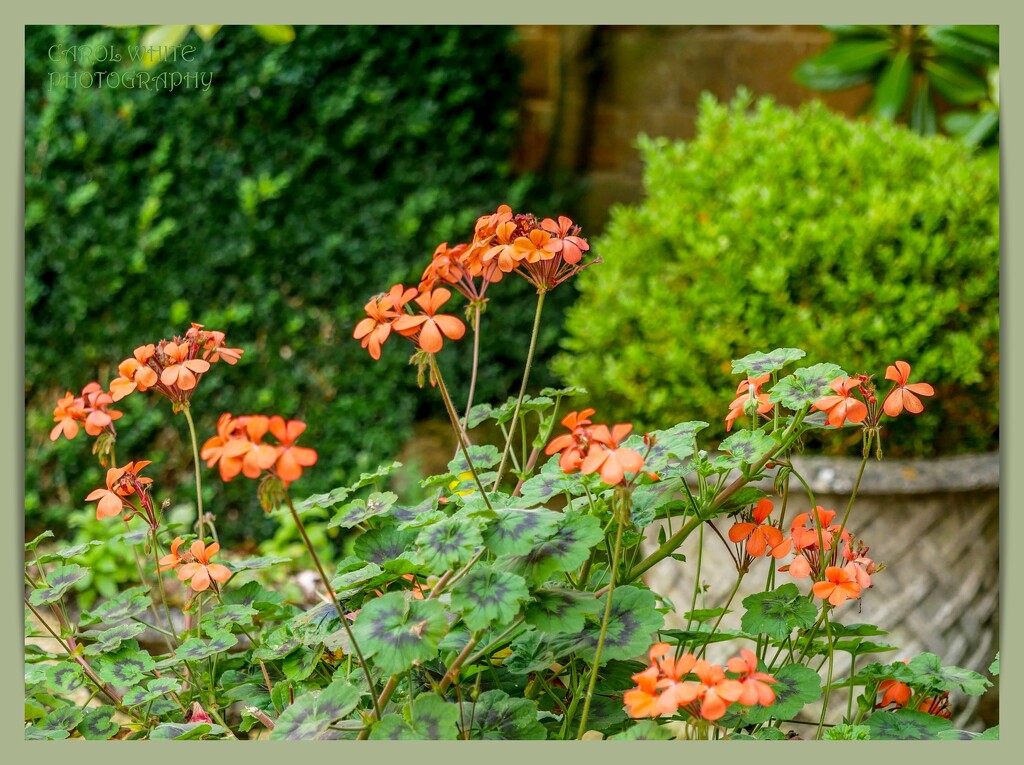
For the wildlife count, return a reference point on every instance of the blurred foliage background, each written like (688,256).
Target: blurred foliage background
(307,178)
(859,242)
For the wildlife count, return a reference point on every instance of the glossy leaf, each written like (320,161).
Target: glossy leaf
(957,83)
(893,87)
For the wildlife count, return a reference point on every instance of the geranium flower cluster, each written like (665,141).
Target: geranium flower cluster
(666,685)
(238,447)
(194,564)
(545,253)
(173,368)
(749,398)
(845,406)
(126,492)
(90,409)
(595,449)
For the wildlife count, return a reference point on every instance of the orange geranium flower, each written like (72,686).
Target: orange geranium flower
(839,585)
(200,570)
(291,458)
(894,693)
(110,502)
(135,373)
(762,539)
(904,395)
(607,457)
(748,391)
(430,325)
(258,456)
(172,559)
(182,370)
(381,310)
(573,445)
(564,239)
(757,686)
(70,410)
(843,406)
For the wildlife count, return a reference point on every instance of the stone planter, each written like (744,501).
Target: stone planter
(935,525)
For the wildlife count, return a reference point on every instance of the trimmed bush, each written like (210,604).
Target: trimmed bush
(862,242)
(271,207)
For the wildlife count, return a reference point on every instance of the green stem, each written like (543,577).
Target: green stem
(163,593)
(828,682)
(620,512)
(718,622)
(334,599)
(522,390)
(436,371)
(476,363)
(199,484)
(453,670)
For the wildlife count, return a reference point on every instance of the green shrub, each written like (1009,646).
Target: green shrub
(271,206)
(861,242)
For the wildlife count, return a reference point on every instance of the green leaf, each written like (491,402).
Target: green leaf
(33,733)
(923,118)
(757,364)
(497,716)
(229,615)
(805,386)
(846,732)
(906,725)
(484,456)
(646,730)
(957,83)
(485,596)
(398,632)
(256,564)
(994,666)
(990,734)
(196,649)
(565,550)
(672,447)
(552,481)
(70,552)
(278,34)
(951,41)
(299,664)
(972,128)
(515,531)
(480,413)
(98,724)
(126,666)
(62,718)
(64,678)
(558,610)
(110,640)
(162,686)
(313,712)
(383,545)
(360,510)
(428,718)
(61,580)
(747,447)
(336,496)
(531,652)
(185,731)
(777,613)
(447,544)
(893,86)
(927,672)
(631,623)
(30,546)
(127,603)
(845,64)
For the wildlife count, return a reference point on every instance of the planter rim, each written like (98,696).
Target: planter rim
(961,473)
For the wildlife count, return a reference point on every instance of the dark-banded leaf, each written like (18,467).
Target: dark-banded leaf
(382,545)
(428,518)
(906,725)
(126,604)
(127,666)
(496,716)
(34,733)
(646,730)
(650,500)
(361,510)
(516,531)
(483,456)
(110,640)
(795,686)
(64,678)
(746,447)
(254,595)
(299,664)
(335,497)
(479,413)
(777,613)
(224,617)
(631,623)
(196,649)
(558,610)
(565,550)
(399,632)
(162,686)
(70,552)
(757,364)
(353,574)
(805,386)
(277,645)
(530,652)
(310,717)
(447,544)
(428,718)
(401,513)
(552,481)
(672,448)
(185,731)
(485,596)
(61,579)
(927,672)
(98,724)
(62,718)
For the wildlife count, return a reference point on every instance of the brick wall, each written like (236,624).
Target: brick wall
(588,91)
